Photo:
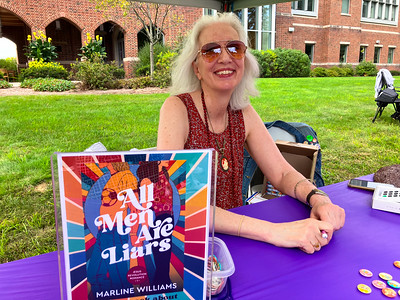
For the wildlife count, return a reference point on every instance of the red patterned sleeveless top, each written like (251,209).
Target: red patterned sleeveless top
(229,183)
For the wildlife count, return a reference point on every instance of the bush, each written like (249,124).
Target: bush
(162,73)
(48,84)
(348,69)
(138,83)
(341,71)
(118,73)
(319,72)
(9,63)
(96,75)
(366,68)
(292,63)
(41,69)
(143,67)
(4,84)
(395,73)
(267,62)
(336,72)
(283,63)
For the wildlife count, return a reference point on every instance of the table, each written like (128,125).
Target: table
(370,239)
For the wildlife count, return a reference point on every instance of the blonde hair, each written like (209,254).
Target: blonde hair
(184,80)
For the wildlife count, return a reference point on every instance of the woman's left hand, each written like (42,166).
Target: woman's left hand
(325,210)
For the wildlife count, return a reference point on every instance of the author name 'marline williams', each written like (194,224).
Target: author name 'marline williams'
(141,289)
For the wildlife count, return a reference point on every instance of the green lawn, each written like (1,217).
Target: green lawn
(34,127)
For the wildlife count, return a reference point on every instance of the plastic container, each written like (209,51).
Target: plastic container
(227,267)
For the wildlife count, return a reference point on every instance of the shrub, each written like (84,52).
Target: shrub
(41,69)
(143,67)
(138,83)
(162,74)
(292,63)
(348,69)
(118,73)
(93,49)
(9,63)
(366,68)
(283,63)
(319,72)
(395,73)
(40,47)
(4,84)
(336,71)
(48,84)
(267,62)
(96,74)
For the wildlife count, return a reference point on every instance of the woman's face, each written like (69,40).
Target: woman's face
(225,72)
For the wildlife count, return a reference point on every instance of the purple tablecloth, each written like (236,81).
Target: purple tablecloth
(31,278)
(370,239)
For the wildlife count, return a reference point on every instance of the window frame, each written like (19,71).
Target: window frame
(259,26)
(312,44)
(365,53)
(377,54)
(380,7)
(346,45)
(302,12)
(348,8)
(391,50)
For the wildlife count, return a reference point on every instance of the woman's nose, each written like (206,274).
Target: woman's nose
(225,56)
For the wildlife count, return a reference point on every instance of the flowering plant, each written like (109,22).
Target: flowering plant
(93,48)
(40,47)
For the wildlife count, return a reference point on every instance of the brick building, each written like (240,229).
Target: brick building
(68,22)
(341,31)
(329,31)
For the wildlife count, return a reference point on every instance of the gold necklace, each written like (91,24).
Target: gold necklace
(223,161)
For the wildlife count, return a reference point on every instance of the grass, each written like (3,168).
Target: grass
(34,127)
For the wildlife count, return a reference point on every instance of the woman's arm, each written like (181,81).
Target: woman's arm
(282,175)
(304,234)
(173,127)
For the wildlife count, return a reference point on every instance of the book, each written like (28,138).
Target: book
(135,225)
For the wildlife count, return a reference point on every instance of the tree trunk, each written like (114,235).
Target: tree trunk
(151,59)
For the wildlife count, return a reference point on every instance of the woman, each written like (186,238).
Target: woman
(209,108)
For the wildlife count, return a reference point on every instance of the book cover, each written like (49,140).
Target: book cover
(135,224)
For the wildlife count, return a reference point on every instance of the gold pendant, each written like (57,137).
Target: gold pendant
(224,163)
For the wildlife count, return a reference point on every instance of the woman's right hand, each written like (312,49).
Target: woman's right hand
(304,234)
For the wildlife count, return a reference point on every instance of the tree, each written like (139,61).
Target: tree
(152,17)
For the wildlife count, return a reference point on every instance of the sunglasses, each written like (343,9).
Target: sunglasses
(211,51)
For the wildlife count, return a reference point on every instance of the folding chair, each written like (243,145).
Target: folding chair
(385,93)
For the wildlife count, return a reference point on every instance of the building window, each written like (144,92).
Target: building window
(309,50)
(209,11)
(380,11)
(363,53)
(343,53)
(259,24)
(390,55)
(377,55)
(305,7)
(345,6)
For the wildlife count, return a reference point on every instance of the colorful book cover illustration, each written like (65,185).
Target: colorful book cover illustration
(135,224)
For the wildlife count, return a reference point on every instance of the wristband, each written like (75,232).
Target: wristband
(315,192)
